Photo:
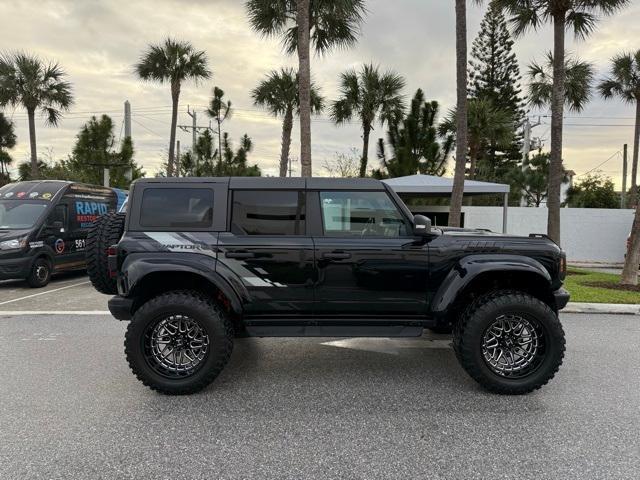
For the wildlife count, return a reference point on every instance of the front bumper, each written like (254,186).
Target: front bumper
(121,307)
(561,297)
(11,268)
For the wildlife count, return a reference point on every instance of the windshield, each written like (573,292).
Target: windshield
(17,215)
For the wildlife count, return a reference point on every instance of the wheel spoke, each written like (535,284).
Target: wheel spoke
(513,346)
(176,346)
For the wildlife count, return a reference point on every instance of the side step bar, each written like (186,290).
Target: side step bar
(334,330)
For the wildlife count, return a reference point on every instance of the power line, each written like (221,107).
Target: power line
(597,167)
(147,128)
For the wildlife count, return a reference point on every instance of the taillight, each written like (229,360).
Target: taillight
(563,266)
(112,261)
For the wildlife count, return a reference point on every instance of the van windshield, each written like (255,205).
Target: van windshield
(18,215)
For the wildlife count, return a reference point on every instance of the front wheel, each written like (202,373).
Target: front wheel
(177,343)
(510,342)
(40,273)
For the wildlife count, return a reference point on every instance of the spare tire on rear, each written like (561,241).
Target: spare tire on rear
(105,232)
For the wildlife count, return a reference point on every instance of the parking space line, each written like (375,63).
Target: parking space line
(44,293)
(8,313)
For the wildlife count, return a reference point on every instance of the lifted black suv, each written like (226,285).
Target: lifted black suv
(198,261)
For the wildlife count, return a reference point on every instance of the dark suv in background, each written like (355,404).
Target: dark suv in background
(198,261)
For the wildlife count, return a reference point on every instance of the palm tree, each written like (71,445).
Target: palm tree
(26,81)
(624,82)
(278,93)
(219,110)
(457,191)
(578,81)
(486,125)
(173,62)
(326,24)
(581,16)
(368,94)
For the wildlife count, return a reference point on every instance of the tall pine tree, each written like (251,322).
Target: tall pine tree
(494,75)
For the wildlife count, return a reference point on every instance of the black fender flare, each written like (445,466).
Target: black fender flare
(43,252)
(138,267)
(470,267)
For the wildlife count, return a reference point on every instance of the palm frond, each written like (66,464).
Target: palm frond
(624,79)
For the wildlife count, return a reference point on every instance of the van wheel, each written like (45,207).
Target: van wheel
(179,342)
(510,342)
(40,274)
(105,232)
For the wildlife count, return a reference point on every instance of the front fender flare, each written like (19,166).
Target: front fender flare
(470,267)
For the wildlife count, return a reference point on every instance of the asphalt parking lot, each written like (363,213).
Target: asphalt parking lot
(304,408)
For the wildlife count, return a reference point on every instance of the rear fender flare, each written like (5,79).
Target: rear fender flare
(470,267)
(138,268)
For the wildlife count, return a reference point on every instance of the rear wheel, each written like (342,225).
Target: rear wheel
(40,274)
(178,342)
(510,342)
(105,232)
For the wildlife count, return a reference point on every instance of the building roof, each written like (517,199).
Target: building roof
(437,186)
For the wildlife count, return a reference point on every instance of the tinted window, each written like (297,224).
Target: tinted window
(58,214)
(16,214)
(268,212)
(362,214)
(177,208)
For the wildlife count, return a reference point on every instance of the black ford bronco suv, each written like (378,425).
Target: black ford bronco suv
(196,262)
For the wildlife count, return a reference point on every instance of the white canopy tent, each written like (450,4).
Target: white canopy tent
(432,186)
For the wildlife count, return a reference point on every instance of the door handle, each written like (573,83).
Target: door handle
(336,255)
(239,254)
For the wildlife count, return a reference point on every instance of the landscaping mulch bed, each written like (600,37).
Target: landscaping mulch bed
(613,286)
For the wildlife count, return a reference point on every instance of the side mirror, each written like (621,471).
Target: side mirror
(421,226)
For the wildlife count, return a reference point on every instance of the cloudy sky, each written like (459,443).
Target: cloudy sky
(97,43)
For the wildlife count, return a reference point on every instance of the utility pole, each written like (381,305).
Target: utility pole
(290,166)
(623,196)
(194,128)
(127,119)
(194,140)
(177,158)
(526,148)
(128,174)
(194,131)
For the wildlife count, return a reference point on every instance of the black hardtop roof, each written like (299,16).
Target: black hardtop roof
(265,183)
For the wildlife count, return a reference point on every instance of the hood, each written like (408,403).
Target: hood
(11,234)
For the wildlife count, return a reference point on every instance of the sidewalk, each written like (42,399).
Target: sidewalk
(602,308)
(615,268)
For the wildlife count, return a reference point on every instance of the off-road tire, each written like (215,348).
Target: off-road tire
(36,278)
(196,306)
(105,232)
(469,332)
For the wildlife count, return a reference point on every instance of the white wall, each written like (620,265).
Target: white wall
(588,234)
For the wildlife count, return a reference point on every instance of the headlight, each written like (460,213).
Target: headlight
(13,244)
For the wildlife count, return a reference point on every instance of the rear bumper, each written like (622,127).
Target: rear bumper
(121,307)
(561,297)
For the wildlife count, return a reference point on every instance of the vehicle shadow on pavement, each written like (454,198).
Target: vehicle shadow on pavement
(297,373)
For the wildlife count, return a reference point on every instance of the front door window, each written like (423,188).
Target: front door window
(361,214)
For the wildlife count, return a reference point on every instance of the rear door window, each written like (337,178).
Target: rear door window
(268,212)
(173,208)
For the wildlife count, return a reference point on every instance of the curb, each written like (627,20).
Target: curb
(602,308)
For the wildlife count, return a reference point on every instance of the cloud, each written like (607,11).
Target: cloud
(98,42)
